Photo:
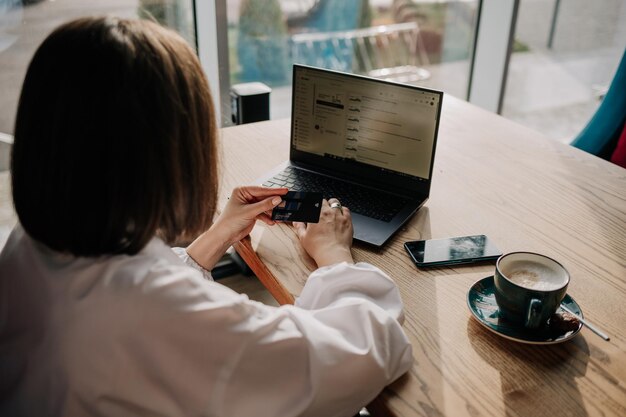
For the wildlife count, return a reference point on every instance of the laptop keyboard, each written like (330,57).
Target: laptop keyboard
(362,200)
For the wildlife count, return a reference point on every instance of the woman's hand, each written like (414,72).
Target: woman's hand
(245,206)
(329,241)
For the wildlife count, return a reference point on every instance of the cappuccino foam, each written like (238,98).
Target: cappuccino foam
(534,276)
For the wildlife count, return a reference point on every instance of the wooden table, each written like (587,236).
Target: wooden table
(526,192)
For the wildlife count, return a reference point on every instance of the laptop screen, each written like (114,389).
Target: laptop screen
(392,127)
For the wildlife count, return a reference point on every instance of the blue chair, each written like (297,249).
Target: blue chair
(600,135)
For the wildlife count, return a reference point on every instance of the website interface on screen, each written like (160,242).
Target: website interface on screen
(384,125)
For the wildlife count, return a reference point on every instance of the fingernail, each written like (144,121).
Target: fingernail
(276,200)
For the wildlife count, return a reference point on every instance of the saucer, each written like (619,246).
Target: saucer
(561,327)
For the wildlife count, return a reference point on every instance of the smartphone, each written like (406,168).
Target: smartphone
(452,251)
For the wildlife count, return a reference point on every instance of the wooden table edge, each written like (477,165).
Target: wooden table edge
(270,282)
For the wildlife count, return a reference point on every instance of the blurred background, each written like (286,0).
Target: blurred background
(562,58)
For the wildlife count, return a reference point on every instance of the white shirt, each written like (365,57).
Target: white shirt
(146,335)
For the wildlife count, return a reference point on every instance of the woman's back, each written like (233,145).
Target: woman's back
(85,336)
(99,316)
(147,335)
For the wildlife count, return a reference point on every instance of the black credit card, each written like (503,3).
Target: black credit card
(299,206)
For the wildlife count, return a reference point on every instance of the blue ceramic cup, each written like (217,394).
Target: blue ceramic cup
(529,287)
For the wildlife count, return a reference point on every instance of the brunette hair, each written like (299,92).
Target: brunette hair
(115,139)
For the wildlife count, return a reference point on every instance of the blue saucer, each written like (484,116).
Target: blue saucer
(561,327)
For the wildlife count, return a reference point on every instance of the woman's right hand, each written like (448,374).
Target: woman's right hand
(329,241)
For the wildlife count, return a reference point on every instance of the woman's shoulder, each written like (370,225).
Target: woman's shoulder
(156,275)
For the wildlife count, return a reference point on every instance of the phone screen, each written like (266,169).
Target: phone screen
(454,250)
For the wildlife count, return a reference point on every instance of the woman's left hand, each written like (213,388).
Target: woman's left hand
(245,206)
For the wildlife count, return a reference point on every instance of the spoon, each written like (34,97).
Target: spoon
(586,323)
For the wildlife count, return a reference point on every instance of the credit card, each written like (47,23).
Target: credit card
(299,206)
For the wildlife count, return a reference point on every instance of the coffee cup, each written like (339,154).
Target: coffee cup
(529,287)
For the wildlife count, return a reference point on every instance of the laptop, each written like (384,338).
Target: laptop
(370,143)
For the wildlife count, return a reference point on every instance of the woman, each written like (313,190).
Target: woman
(115,155)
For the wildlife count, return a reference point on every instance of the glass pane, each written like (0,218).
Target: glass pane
(428,43)
(564,58)
(25,23)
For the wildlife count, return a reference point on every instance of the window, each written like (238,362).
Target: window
(564,58)
(25,23)
(425,43)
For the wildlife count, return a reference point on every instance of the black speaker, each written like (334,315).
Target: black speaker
(250,102)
